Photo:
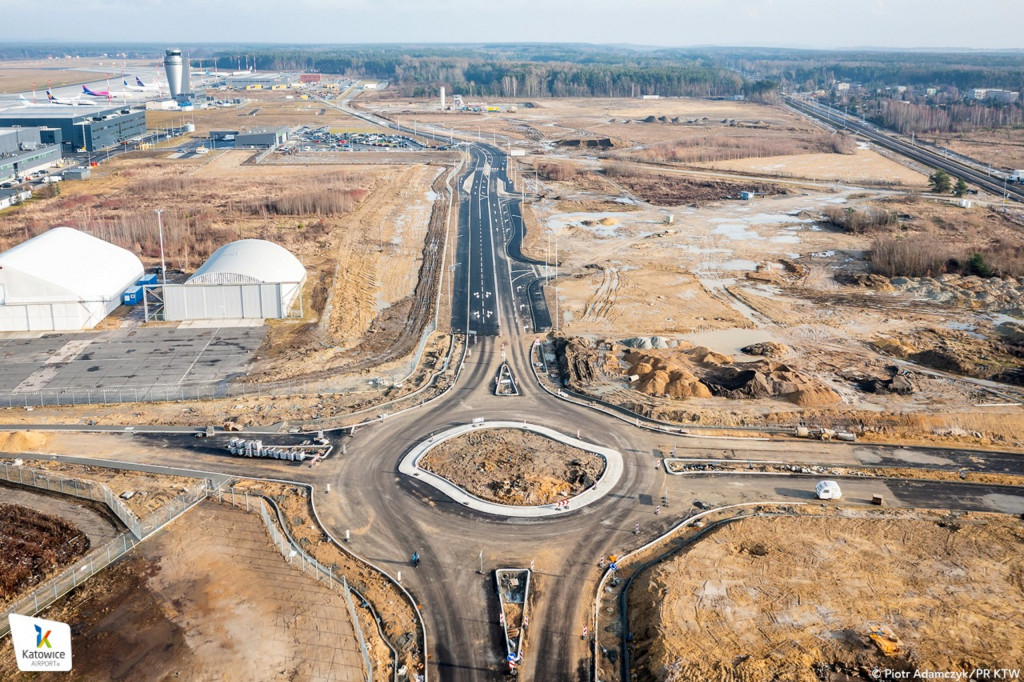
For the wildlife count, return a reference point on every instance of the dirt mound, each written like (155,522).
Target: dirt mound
(702,373)
(675,190)
(957,352)
(769,349)
(577,360)
(512,466)
(21,441)
(588,143)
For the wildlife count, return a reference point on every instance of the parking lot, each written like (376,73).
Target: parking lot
(127,359)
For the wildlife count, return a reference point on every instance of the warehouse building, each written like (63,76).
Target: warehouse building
(250,278)
(63,280)
(261,137)
(24,150)
(93,128)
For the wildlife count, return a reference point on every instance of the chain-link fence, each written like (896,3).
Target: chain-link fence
(99,558)
(209,391)
(89,490)
(298,558)
(68,579)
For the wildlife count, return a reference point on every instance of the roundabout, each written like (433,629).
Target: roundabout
(412,465)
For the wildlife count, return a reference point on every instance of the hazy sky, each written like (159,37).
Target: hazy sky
(991,24)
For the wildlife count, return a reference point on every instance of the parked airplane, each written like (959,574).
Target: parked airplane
(140,86)
(101,93)
(72,102)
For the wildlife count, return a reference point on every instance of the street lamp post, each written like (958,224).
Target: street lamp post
(160,227)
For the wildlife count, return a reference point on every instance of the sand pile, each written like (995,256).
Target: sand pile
(697,372)
(21,441)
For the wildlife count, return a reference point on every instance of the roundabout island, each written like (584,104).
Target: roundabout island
(514,469)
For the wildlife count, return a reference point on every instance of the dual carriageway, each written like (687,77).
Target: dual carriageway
(498,303)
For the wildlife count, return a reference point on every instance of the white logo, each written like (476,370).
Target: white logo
(40,644)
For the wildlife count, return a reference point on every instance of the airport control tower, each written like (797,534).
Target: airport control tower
(172,65)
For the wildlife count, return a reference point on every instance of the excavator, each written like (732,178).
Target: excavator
(886,641)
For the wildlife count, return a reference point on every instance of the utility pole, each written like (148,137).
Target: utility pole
(556,283)
(163,263)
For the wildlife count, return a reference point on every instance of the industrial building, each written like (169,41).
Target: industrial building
(261,137)
(92,128)
(263,81)
(22,151)
(63,280)
(250,278)
(12,197)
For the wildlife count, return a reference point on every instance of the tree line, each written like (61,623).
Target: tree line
(533,71)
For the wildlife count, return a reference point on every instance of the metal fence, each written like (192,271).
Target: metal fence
(89,490)
(298,558)
(209,391)
(101,557)
(68,579)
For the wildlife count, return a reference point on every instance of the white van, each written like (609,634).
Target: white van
(828,490)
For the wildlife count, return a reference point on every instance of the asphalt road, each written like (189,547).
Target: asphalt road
(391,516)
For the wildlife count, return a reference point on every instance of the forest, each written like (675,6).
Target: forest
(510,70)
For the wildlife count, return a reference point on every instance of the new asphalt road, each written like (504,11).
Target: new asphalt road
(390,516)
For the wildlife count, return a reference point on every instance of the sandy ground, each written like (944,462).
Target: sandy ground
(510,466)
(208,598)
(272,109)
(619,118)
(152,492)
(864,165)
(396,613)
(790,595)
(731,273)
(1002,148)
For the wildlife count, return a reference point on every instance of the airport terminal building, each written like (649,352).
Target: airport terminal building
(93,128)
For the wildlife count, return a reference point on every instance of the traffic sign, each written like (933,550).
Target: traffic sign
(613,567)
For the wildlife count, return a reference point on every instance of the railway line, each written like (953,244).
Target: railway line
(915,152)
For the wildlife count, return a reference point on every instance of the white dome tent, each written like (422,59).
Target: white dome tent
(63,280)
(249,278)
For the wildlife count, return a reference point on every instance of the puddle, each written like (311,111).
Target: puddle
(736,231)
(729,341)
(730,265)
(777,219)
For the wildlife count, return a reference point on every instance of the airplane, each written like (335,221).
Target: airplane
(101,93)
(140,86)
(74,101)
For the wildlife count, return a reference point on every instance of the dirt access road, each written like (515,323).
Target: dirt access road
(208,598)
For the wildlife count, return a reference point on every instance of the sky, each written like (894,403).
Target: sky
(973,24)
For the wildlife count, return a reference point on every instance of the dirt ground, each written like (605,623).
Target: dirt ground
(151,492)
(1003,148)
(511,466)
(35,546)
(363,257)
(620,119)
(729,273)
(397,616)
(795,598)
(864,165)
(210,597)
